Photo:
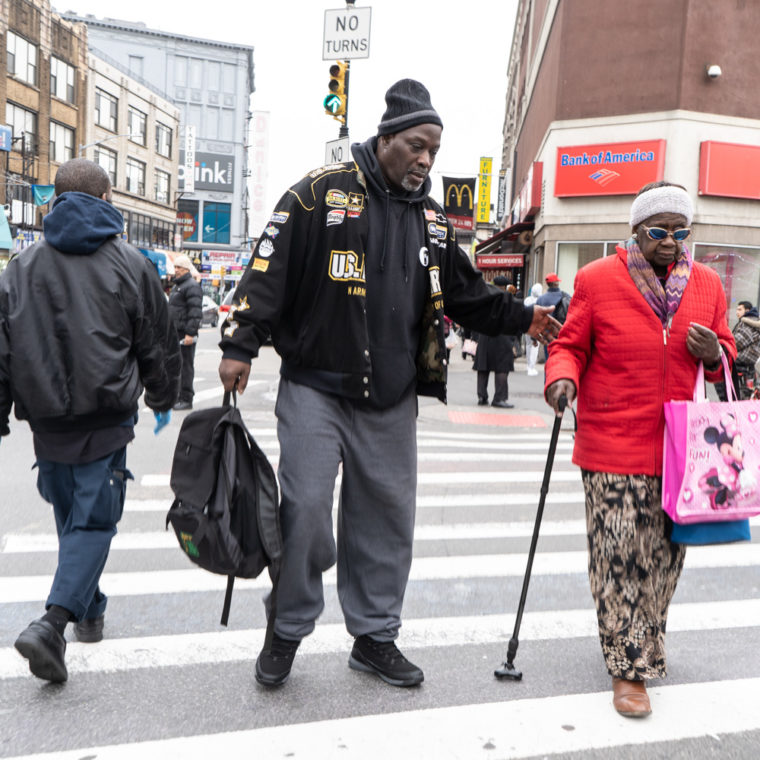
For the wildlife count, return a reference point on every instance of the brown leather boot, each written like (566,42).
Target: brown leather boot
(630,698)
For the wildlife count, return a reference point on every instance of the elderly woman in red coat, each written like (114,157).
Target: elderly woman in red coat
(639,323)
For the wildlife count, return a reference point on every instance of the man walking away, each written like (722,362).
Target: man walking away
(84,325)
(556,298)
(186,305)
(351,277)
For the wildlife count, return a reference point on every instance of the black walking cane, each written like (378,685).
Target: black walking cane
(507,669)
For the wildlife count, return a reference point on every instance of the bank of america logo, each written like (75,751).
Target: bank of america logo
(603,177)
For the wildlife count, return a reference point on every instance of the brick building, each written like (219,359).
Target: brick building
(604,97)
(42,100)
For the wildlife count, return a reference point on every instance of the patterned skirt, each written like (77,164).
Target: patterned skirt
(633,570)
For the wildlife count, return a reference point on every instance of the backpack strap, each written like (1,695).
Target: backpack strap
(227,600)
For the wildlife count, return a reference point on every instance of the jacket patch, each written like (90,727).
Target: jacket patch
(336,199)
(266,248)
(355,204)
(346,265)
(322,169)
(429,215)
(435,285)
(272,231)
(335,216)
(260,265)
(279,217)
(424,256)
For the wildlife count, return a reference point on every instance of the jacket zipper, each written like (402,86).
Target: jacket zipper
(665,335)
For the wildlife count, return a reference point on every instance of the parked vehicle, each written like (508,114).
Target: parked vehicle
(210,314)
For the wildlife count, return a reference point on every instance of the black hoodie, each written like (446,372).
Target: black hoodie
(396,278)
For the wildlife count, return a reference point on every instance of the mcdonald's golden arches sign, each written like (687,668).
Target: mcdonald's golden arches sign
(459,202)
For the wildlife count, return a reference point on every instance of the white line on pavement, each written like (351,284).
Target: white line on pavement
(32,588)
(113,655)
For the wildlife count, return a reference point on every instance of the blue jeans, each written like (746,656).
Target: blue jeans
(88,500)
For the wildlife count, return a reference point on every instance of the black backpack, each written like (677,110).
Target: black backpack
(226,511)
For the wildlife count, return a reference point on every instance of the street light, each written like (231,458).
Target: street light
(105,139)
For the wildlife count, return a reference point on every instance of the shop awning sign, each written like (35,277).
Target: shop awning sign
(729,170)
(499,261)
(608,168)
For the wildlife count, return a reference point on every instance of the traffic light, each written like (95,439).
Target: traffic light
(336,101)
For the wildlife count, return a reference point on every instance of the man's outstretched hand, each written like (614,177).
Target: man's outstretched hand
(544,328)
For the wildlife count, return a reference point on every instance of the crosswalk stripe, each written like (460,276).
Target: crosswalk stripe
(516,728)
(35,587)
(18,543)
(460,477)
(446,501)
(115,655)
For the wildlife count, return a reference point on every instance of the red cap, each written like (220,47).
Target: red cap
(552,277)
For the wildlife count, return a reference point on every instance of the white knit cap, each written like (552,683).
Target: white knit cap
(668,199)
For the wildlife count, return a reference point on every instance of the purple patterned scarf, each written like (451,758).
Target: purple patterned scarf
(664,301)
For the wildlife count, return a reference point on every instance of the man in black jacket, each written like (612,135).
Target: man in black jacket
(186,306)
(84,325)
(352,277)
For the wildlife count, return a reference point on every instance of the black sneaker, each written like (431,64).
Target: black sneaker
(384,659)
(89,630)
(273,665)
(45,648)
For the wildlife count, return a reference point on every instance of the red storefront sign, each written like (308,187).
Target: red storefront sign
(729,169)
(528,201)
(499,261)
(608,168)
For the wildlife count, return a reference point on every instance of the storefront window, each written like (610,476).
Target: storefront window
(216,222)
(572,256)
(738,268)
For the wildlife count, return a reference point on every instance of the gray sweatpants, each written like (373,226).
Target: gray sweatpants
(378,450)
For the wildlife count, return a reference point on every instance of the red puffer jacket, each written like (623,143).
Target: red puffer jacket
(625,366)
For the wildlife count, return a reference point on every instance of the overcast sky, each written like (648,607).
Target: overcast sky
(459,50)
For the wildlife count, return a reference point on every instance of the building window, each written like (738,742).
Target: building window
(187,220)
(162,186)
(736,266)
(162,234)
(163,140)
(22,58)
(138,122)
(61,79)
(107,160)
(139,230)
(216,223)
(106,109)
(61,143)
(22,122)
(229,77)
(135,176)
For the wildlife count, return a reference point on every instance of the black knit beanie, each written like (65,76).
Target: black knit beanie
(408,104)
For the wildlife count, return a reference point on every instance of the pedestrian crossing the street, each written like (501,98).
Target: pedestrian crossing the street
(168,682)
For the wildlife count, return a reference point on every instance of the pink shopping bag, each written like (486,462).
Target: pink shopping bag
(711,457)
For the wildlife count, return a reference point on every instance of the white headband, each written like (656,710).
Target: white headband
(662,200)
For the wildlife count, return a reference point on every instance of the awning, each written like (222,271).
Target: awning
(501,240)
(158,259)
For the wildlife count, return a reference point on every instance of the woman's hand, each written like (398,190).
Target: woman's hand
(563,387)
(703,343)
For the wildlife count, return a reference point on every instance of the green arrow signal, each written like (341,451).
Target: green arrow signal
(332,103)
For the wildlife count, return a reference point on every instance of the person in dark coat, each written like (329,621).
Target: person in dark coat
(186,305)
(495,354)
(84,329)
